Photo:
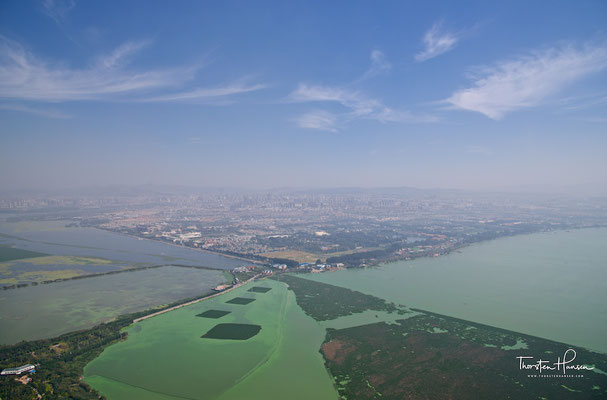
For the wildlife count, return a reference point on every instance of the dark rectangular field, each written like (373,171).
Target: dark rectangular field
(232,331)
(260,289)
(240,300)
(213,314)
(10,253)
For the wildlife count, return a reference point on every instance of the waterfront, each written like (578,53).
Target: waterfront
(555,276)
(53,237)
(549,285)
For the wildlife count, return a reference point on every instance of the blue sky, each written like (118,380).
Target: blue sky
(474,95)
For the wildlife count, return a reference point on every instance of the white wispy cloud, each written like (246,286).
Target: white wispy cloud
(356,104)
(208,94)
(437,41)
(121,55)
(319,119)
(586,101)
(527,80)
(57,9)
(26,77)
(44,112)
(379,65)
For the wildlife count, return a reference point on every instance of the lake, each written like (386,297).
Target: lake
(165,357)
(551,285)
(547,284)
(53,237)
(50,310)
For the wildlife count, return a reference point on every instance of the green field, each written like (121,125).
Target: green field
(213,314)
(232,331)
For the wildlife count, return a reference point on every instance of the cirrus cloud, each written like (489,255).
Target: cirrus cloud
(437,41)
(356,105)
(527,80)
(26,77)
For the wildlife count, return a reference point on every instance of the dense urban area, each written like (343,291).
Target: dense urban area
(337,228)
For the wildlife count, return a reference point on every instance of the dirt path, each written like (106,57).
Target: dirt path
(194,301)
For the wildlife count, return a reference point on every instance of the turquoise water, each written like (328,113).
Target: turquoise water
(550,285)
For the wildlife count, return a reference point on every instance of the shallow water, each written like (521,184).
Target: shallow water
(53,237)
(45,311)
(165,357)
(550,285)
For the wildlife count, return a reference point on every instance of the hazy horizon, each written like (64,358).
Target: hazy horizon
(172,189)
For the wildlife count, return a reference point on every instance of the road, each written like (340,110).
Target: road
(195,301)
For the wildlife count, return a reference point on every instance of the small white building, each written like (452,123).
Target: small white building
(19,370)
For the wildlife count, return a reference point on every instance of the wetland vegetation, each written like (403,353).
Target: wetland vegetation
(385,350)
(430,356)
(324,302)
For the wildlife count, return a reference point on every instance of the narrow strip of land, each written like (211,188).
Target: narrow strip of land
(219,253)
(120,271)
(194,301)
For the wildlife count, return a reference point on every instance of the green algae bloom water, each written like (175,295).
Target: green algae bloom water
(165,357)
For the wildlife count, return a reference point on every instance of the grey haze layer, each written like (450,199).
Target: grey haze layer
(550,285)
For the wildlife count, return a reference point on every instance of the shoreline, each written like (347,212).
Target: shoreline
(257,262)
(466,245)
(194,301)
(100,274)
